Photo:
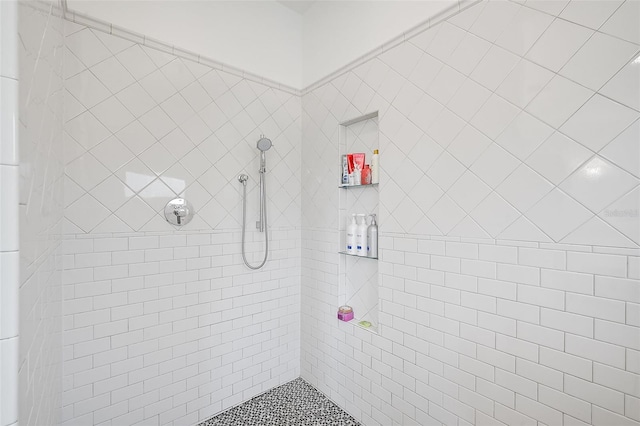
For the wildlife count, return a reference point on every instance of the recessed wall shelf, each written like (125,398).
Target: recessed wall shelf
(355,255)
(358,280)
(346,185)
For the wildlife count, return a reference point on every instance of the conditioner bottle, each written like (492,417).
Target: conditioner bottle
(352,229)
(375,167)
(372,238)
(361,236)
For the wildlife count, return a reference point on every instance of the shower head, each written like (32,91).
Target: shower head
(264,143)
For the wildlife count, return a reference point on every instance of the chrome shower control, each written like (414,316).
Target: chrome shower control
(178,212)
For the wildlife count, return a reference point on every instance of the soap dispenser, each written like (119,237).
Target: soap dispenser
(352,229)
(372,238)
(361,236)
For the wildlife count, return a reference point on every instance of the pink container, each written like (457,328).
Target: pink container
(345,313)
(345,317)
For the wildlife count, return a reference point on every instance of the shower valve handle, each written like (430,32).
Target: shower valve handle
(180,212)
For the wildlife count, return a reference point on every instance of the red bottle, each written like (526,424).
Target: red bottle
(366,175)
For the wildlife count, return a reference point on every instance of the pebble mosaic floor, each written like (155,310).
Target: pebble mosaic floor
(294,403)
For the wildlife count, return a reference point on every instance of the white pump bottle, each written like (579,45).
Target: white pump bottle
(352,229)
(372,238)
(361,236)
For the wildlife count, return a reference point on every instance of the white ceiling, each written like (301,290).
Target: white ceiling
(298,6)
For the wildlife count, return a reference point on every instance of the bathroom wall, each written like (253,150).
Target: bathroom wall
(509,292)
(9,238)
(261,37)
(166,325)
(41,168)
(336,33)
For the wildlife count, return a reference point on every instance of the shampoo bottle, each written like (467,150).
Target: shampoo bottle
(357,175)
(352,230)
(361,236)
(375,167)
(372,238)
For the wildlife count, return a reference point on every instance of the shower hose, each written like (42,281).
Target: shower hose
(263,201)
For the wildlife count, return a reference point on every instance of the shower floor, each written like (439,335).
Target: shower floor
(294,403)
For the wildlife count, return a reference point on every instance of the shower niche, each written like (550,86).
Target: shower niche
(358,276)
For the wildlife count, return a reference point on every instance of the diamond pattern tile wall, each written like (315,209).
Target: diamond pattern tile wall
(503,219)
(487,145)
(148,126)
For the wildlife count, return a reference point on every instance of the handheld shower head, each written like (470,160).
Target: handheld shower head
(264,143)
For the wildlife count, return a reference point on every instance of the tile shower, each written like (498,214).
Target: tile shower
(508,280)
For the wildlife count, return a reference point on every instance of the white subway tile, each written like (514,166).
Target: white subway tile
(110,272)
(478,301)
(633,314)
(519,311)
(110,328)
(633,267)
(138,243)
(497,358)
(567,281)
(91,347)
(571,323)
(478,335)
(619,380)
(539,373)
(541,296)
(461,282)
(541,335)
(496,393)
(461,314)
(538,411)
(160,254)
(77,246)
(517,347)
(512,417)
(619,334)
(627,290)
(599,264)
(497,323)
(477,401)
(519,274)
(602,417)
(632,407)
(565,403)
(461,250)
(459,377)
(596,307)
(595,350)
(596,394)
(499,289)
(431,247)
(476,368)
(447,264)
(110,244)
(570,364)
(497,253)
(90,318)
(552,259)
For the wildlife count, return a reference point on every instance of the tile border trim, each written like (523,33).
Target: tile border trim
(144,40)
(412,32)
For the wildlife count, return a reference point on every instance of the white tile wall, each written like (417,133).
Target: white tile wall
(40,212)
(165,325)
(515,117)
(9,256)
(172,328)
